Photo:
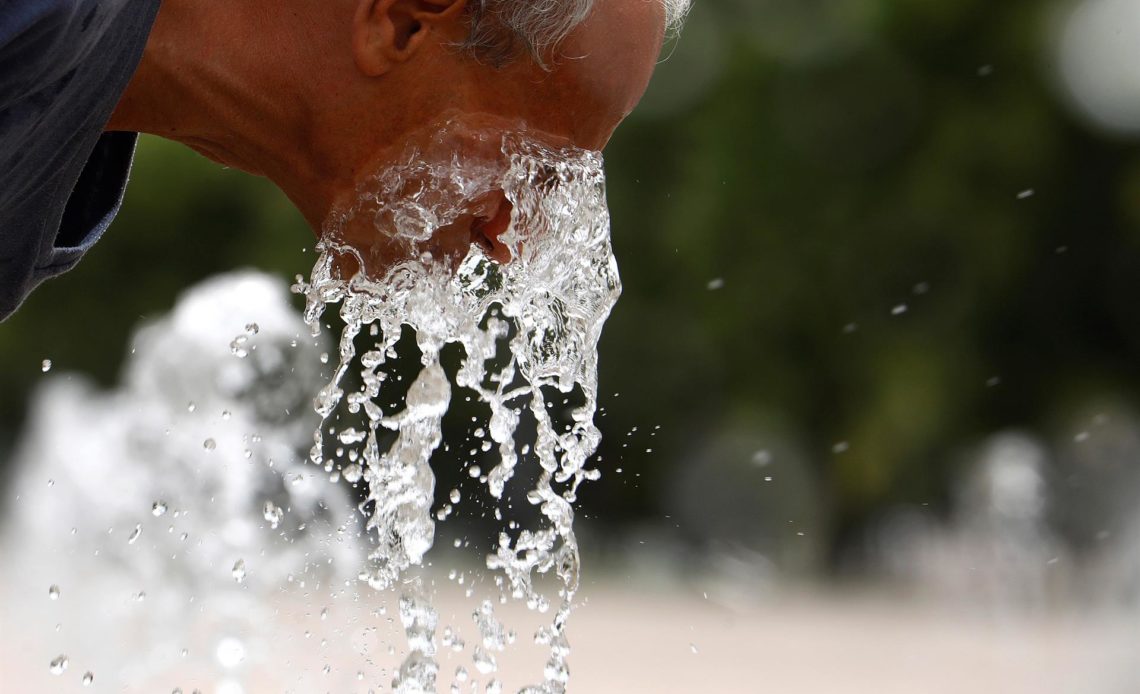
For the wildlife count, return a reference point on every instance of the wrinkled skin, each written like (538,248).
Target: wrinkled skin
(318,94)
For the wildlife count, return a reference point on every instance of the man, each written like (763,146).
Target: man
(313,94)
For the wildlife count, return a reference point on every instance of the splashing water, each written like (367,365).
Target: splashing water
(130,556)
(545,308)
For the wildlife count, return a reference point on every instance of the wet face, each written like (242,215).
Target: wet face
(596,79)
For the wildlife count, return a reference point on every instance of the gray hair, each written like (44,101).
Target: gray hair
(500,29)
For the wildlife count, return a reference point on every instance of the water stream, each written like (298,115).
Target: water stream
(528,330)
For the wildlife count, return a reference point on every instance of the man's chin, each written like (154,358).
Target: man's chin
(447,248)
(220,155)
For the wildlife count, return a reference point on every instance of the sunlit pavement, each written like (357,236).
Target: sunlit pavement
(628,640)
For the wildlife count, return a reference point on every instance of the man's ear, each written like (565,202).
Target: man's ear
(388,32)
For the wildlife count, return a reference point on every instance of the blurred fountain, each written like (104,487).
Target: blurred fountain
(1098,51)
(1032,527)
(997,551)
(165,513)
(746,502)
(1096,512)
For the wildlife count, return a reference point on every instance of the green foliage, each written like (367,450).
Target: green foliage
(828,182)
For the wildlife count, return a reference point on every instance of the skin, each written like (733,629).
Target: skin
(317,94)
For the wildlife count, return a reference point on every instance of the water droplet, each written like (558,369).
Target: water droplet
(352,473)
(88,678)
(841,447)
(762,458)
(209,444)
(716,283)
(899,310)
(272,513)
(58,665)
(252,328)
(1026,194)
(53,592)
(351,436)
(190,407)
(693,648)
(455,496)
(239,570)
(45,366)
(158,509)
(134,535)
(239,348)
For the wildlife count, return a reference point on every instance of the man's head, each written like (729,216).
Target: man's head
(318,94)
(567,71)
(573,68)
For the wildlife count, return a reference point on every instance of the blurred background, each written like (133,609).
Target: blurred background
(877,359)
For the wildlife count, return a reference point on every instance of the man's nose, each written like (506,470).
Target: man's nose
(490,225)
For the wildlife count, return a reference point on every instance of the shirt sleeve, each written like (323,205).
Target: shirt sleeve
(64,65)
(96,198)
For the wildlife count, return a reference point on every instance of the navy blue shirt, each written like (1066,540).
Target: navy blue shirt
(64,65)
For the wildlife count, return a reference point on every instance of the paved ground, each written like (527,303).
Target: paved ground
(822,645)
(661,641)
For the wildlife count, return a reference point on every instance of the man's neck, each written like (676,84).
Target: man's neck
(227,79)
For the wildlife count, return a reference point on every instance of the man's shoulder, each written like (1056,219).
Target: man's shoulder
(19,15)
(63,67)
(28,24)
(32,34)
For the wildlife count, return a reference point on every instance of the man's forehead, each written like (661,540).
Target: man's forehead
(620,42)
(604,66)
